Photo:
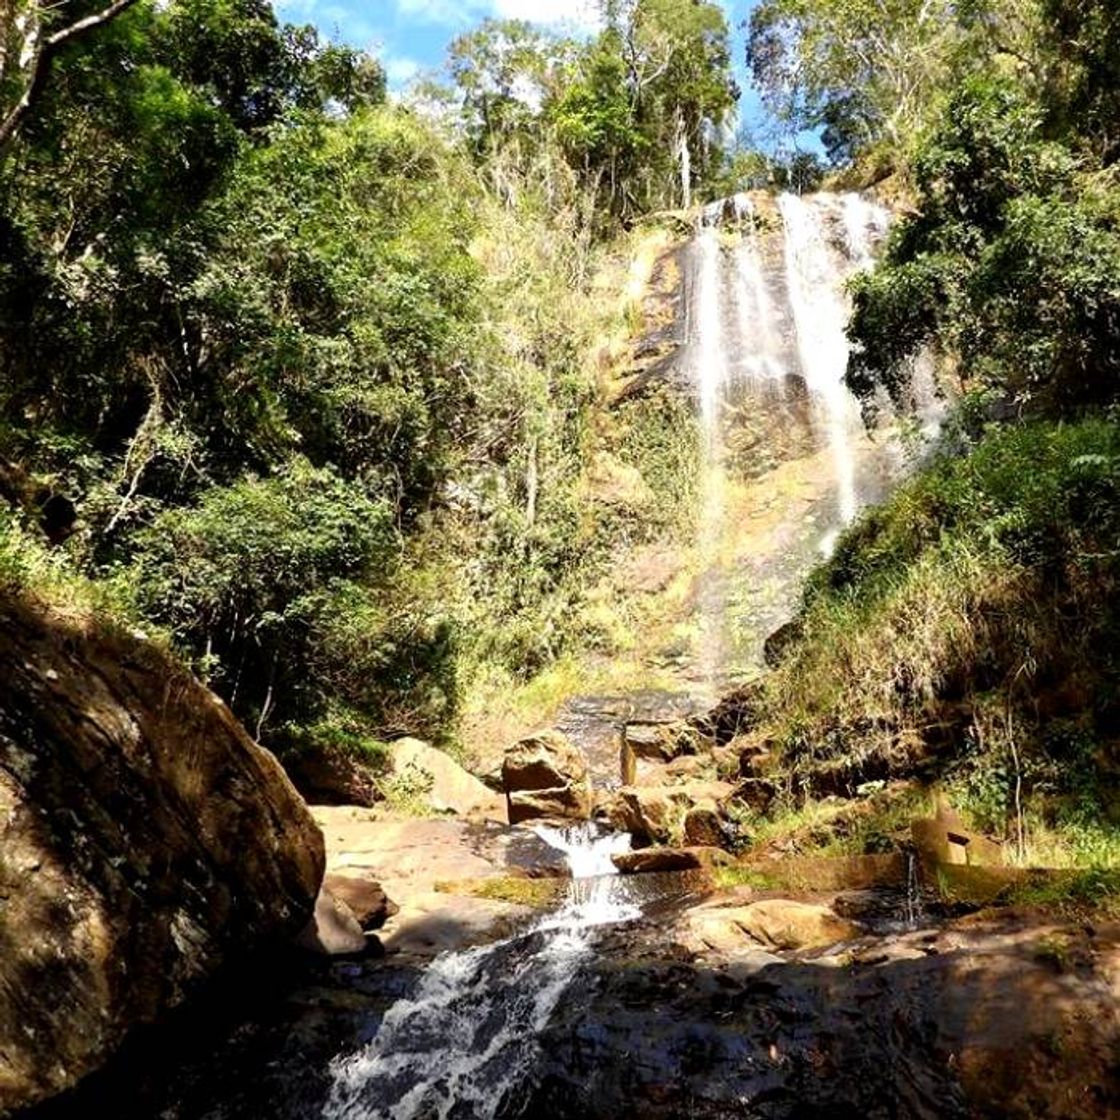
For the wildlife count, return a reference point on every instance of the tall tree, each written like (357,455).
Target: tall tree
(860,70)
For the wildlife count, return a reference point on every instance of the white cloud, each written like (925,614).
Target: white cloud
(449,12)
(578,13)
(400,70)
(582,14)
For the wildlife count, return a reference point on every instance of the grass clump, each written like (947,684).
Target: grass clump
(537,894)
(966,633)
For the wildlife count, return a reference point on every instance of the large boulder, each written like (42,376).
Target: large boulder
(650,814)
(441,782)
(327,776)
(787,924)
(731,924)
(145,842)
(656,814)
(545,775)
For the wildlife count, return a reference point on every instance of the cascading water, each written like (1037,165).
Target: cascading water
(768,353)
(468,1037)
(820,314)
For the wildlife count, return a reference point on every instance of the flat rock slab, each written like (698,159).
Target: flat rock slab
(434,922)
(420,861)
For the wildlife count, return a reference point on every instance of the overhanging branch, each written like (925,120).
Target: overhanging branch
(40,65)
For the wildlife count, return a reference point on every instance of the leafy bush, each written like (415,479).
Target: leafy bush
(245,578)
(1009,268)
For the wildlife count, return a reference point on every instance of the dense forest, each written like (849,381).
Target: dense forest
(585,585)
(305,379)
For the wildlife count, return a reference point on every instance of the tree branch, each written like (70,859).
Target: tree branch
(40,66)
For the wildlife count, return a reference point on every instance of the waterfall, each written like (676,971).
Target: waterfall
(759,342)
(766,314)
(820,312)
(467,1037)
(685,158)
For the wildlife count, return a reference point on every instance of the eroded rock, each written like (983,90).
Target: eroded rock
(656,814)
(783,923)
(145,841)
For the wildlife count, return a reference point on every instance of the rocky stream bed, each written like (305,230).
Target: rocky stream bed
(680,999)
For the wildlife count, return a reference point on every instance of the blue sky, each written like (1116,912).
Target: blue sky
(411,36)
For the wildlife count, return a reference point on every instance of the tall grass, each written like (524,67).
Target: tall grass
(960,626)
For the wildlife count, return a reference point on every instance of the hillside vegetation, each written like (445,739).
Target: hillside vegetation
(965,633)
(307,378)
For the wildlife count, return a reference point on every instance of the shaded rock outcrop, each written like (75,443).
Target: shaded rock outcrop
(145,841)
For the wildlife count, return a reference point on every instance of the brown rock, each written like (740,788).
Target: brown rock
(369,904)
(785,924)
(736,714)
(779,642)
(670,859)
(145,841)
(446,787)
(704,825)
(652,741)
(546,776)
(328,777)
(332,930)
(649,813)
(656,814)
(756,793)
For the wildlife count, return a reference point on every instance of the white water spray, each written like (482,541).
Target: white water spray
(710,357)
(815,276)
(469,1033)
(685,158)
(759,342)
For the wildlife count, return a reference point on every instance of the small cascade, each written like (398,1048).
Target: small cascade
(913,910)
(467,1038)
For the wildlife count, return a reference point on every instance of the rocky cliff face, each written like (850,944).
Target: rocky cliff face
(145,841)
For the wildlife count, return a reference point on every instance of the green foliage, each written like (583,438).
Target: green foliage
(249,577)
(1009,268)
(856,69)
(969,625)
(619,107)
(308,377)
